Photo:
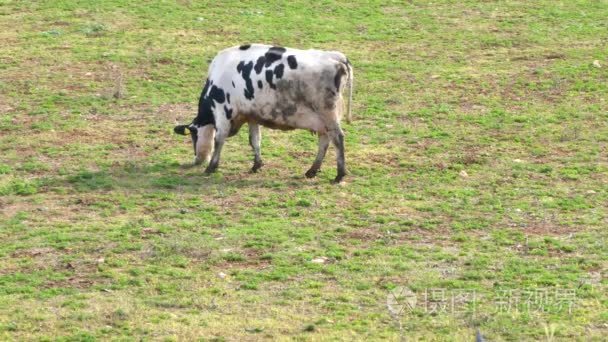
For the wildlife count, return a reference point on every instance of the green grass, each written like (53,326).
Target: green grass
(477,163)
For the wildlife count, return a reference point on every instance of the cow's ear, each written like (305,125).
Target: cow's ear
(181,129)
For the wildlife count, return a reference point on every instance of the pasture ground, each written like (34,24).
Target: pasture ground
(478,161)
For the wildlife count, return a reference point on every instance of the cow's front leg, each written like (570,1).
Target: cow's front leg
(316,165)
(337,138)
(255,138)
(217,149)
(204,140)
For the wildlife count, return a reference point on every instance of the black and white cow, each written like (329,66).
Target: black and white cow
(275,87)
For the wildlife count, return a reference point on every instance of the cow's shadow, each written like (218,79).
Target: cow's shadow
(175,177)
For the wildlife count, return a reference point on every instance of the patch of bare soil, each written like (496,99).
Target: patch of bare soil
(252,260)
(384,159)
(427,237)
(83,274)
(5,107)
(364,234)
(177,112)
(549,228)
(72,282)
(33,252)
(54,208)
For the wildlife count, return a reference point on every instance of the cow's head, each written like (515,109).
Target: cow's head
(202,140)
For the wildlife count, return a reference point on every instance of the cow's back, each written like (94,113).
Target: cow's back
(279,87)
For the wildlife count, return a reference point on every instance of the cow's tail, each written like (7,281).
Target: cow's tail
(350,79)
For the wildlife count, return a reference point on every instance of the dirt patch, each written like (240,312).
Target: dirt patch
(56,208)
(72,282)
(390,160)
(33,252)
(5,106)
(10,210)
(428,237)
(252,260)
(364,234)
(549,228)
(177,112)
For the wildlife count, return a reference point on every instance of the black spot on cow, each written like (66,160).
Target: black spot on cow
(338,77)
(277,49)
(205,114)
(259,64)
(228,112)
(278,70)
(217,94)
(244,47)
(245,70)
(206,87)
(269,74)
(228,97)
(260,84)
(194,136)
(233,86)
(291,60)
(274,54)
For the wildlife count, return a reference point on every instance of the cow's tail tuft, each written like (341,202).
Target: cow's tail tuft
(349,68)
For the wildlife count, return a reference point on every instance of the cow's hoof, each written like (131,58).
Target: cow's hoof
(256,167)
(338,178)
(311,173)
(210,169)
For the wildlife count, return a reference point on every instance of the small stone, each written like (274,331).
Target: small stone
(222,275)
(590,192)
(518,161)
(597,64)
(463,174)
(319,260)
(101,260)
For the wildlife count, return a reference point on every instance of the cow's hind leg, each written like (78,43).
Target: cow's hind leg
(337,137)
(316,165)
(255,137)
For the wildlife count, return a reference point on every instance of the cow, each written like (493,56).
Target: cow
(275,87)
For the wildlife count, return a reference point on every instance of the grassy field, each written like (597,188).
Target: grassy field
(478,182)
